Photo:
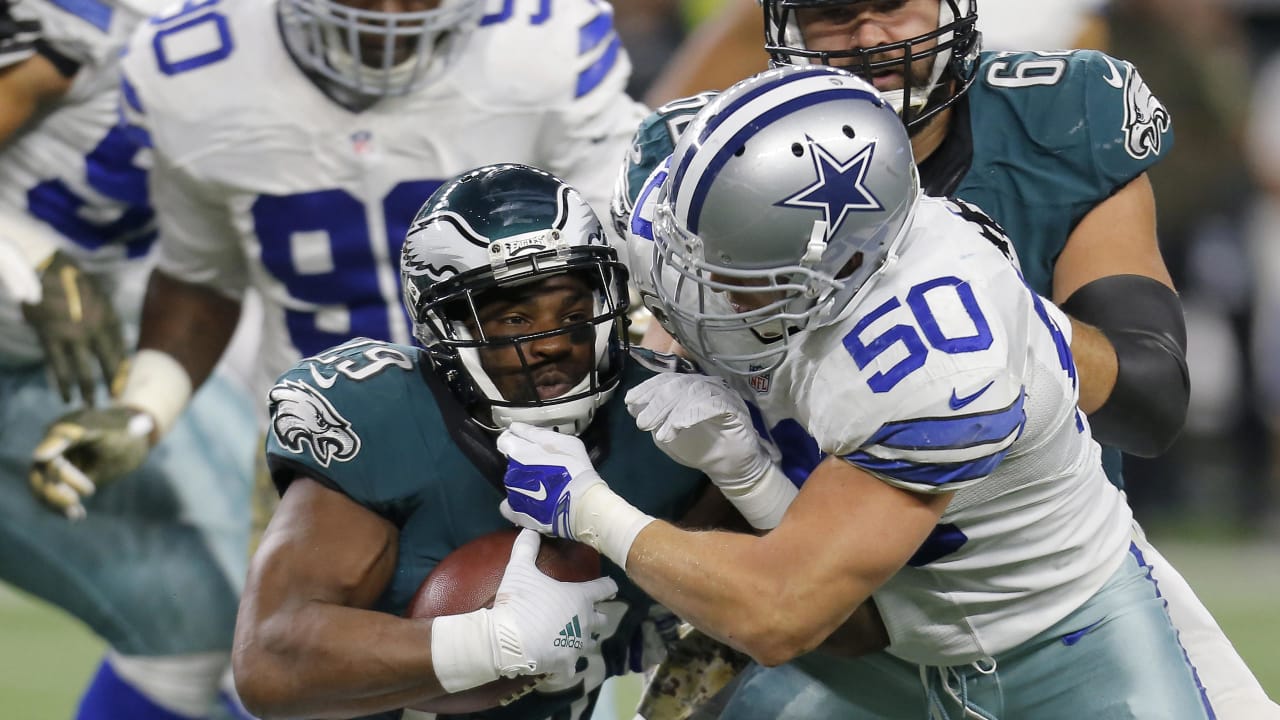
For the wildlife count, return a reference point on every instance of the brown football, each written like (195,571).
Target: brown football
(467,579)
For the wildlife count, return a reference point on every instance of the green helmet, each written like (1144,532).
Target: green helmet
(499,227)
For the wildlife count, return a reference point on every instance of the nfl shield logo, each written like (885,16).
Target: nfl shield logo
(759,383)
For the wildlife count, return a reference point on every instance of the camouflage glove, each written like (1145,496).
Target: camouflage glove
(76,324)
(86,448)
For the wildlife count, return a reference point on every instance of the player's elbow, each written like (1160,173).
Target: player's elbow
(261,675)
(1148,405)
(775,629)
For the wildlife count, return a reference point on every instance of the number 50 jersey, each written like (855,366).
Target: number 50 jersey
(260,177)
(948,374)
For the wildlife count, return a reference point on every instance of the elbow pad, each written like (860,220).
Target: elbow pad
(1142,318)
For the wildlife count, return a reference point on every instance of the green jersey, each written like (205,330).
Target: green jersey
(372,421)
(1039,140)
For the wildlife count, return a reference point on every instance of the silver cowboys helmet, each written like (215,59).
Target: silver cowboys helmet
(502,226)
(794,188)
(375,53)
(954,46)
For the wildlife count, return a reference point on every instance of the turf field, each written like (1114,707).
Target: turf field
(46,658)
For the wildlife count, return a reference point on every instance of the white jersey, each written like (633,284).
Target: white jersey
(947,374)
(261,179)
(72,179)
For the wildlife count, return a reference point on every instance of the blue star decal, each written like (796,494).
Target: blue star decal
(839,188)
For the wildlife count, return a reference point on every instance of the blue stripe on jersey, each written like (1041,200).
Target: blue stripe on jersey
(130,95)
(594,32)
(94,12)
(1155,585)
(591,77)
(738,139)
(543,14)
(935,474)
(953,433)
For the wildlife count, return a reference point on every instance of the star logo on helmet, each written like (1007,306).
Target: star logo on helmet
(840,187)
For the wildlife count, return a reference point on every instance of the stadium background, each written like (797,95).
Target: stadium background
(1212,504)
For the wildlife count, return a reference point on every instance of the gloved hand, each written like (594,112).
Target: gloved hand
(77,325)
(538,626)
(700,422)
(85,449)
(553,488)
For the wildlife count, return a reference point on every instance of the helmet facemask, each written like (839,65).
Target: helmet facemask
(515,294)
(374,54)
(952,47)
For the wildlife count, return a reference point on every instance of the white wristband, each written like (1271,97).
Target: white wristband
(608,523)
(462,650)
(762,502)
(158,385)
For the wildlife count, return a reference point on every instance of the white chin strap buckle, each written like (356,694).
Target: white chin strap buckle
(817,244)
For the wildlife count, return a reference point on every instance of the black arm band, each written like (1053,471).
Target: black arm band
(1143,319)
(65,65)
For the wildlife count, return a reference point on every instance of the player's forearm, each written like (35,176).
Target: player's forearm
(1095,365)
(191,323)
(328,661)
(737,589)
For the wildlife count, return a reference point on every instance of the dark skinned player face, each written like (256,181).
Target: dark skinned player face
(555,363)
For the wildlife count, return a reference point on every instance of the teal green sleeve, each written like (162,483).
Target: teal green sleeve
(1130,130)
(329,420)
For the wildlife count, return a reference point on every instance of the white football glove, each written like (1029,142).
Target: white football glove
(538,626)
(698,421)
(553,488)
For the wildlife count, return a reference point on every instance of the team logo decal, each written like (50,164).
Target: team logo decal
(760,382)
(1145,118)
(840,187)
(303,419)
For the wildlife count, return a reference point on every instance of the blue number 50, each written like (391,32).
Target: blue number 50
(908,336)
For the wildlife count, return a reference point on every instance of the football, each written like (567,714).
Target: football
(467,579)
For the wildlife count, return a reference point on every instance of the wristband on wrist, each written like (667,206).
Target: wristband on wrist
(158,385)
(608,523)
(462,651)
(764,501)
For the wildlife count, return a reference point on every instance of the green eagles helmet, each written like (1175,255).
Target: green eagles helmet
(499,227)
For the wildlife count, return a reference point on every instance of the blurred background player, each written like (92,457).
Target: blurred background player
(303,187)
(152,562)
(923,395)
(384,456)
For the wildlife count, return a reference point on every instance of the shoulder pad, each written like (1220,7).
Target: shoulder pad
(329,413)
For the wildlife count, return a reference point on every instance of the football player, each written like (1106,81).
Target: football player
(155,560)
(1068,186)
(923,395)
(292,142)
(385,460)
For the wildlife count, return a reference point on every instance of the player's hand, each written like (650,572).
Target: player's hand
(700,422)
(77,326)
(547,472)
(541,626)
(86,448)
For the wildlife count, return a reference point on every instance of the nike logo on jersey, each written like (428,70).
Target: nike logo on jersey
(323,381)
(1113,74)
(537,495)
(957,402)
